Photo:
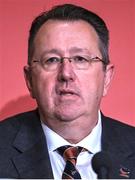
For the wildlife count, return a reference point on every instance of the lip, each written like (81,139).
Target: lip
(63,92)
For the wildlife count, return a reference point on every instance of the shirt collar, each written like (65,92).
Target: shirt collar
(92,142)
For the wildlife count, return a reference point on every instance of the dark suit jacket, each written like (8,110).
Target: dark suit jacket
(23,149)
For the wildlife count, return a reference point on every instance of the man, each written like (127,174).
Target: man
(68,73)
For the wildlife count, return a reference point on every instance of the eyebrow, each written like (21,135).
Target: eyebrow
(77,49)
(52,51)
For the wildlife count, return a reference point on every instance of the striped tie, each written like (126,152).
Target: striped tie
(70,155)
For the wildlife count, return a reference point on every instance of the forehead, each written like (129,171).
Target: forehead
(61,24)
(66,34)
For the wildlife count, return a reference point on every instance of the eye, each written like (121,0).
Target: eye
(80,59)
(52,60)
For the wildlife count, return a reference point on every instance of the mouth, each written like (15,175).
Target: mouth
(64,92)
(67,96)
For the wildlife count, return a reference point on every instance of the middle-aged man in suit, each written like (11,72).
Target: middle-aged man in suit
(68,73)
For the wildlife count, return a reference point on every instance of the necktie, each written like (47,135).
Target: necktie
(70,155)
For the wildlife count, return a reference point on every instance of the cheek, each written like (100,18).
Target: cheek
(92,86)
(43,88)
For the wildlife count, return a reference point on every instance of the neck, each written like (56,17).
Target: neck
(74,134)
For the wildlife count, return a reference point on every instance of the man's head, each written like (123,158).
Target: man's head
(68,48)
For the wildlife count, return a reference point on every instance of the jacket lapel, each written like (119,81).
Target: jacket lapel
(32,160)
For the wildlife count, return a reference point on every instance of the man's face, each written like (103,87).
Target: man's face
(67,93)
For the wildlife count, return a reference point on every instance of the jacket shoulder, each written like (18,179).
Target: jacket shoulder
(117,123)
(117,129)
(10,126)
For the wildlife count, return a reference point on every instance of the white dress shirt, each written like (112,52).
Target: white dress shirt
(92,143)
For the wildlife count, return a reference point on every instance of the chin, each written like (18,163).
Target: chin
(67,115)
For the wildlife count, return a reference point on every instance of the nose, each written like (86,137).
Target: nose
(66,72)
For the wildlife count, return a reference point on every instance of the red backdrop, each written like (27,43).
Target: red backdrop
(16,17)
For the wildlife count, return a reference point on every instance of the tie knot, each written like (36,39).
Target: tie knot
(70,153)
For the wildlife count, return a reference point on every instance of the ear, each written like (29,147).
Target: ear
(28,79)
(109,73)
